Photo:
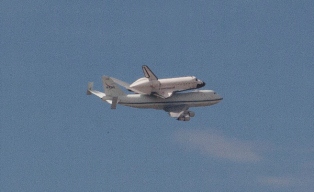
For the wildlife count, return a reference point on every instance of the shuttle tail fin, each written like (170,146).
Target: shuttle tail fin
(148,73)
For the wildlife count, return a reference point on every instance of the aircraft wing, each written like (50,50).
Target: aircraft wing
(180,112)
(176,114)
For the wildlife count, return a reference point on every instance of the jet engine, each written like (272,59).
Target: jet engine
(191,113)
(185,118)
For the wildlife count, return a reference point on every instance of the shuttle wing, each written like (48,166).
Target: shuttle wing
(176,114)
(164,95)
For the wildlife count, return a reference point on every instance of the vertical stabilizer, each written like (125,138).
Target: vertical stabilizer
(148,73)
(111,88)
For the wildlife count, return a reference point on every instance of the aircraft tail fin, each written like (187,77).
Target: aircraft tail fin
(111,88)
(148,73)
(111,94)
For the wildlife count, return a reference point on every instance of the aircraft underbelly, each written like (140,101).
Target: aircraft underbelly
(191,99)
(162,105)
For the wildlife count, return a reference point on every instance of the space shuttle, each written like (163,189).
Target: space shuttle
(163,88)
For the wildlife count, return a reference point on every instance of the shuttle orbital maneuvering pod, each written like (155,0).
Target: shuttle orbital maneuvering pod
(154,93)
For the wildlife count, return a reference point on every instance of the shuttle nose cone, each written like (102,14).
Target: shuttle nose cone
(200,85)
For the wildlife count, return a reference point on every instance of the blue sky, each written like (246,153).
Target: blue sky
(257,54)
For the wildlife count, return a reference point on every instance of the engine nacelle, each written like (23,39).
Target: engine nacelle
(191,113)
(185,118)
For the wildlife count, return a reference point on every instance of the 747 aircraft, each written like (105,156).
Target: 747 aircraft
(177,105)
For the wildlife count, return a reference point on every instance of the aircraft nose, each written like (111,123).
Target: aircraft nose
(218,97)
(200,85)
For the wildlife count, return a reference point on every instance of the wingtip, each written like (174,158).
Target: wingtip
(89,88)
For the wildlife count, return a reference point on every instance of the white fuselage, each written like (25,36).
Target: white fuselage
(190,99)
(146,86)
(177,104)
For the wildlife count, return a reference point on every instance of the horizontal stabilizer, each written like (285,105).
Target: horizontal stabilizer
(94,92)
(89,88)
